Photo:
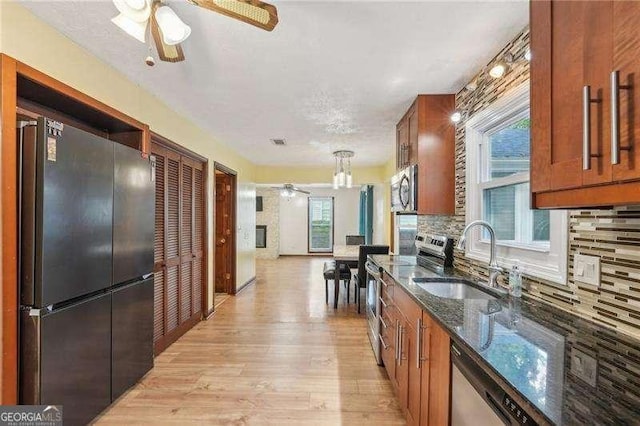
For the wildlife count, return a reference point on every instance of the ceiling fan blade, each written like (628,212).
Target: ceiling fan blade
(166,52)
(254,12)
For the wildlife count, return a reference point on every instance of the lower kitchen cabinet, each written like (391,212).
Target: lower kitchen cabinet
(439,377)
(415,353)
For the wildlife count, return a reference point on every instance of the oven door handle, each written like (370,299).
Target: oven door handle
(374,270)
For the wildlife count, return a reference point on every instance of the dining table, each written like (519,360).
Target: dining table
(342,255)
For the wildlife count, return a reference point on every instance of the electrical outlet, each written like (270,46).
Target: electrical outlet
(586,269)
(584,367)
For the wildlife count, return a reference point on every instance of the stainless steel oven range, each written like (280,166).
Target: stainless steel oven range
(372,307)
(435,252)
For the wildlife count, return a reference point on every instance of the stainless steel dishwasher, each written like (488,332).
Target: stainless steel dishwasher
(476,399)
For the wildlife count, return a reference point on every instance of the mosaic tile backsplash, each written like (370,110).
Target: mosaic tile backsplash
(613,235)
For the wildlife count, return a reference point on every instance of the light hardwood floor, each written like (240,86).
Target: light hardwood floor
(274,354)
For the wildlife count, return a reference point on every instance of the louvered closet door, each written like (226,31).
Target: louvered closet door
(159,268)
(198,238)
(179,250)
(172,211)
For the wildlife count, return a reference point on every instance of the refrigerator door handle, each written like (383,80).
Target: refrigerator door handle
(152,160)
(35,312)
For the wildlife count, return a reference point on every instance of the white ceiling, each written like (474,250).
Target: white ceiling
(332,75)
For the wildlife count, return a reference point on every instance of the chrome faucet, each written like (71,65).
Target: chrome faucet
(494,269)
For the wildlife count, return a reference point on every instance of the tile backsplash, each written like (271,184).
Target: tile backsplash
(613,235)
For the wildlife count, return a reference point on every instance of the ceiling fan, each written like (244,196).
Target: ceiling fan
(288,190)
(168,30)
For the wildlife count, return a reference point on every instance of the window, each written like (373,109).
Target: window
(320,224)
(504,182)
(498,149)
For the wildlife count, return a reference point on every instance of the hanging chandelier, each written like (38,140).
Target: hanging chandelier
(342,175)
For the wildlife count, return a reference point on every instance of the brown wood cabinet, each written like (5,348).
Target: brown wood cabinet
(583,102)
(407,139)
(415,354)
(426,136)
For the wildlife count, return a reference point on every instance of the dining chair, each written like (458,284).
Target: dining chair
(361,275)
(329,275)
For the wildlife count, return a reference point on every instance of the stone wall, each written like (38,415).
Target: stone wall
(269,216)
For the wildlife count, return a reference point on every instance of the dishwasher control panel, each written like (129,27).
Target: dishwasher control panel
(517,412)
(470,375)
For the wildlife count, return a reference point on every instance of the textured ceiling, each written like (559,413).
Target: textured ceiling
(332,75)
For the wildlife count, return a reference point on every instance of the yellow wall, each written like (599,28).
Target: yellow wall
(302,175)
(389,170)
(30,40)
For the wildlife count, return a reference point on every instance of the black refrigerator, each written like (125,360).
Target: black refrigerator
(86,294)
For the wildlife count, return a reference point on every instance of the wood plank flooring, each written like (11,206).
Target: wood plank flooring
(273,354)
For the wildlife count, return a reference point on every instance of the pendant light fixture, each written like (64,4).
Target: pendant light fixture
(342,176)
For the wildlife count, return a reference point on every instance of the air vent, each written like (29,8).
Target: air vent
(279,142)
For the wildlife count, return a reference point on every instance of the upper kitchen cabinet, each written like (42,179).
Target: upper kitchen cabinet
(426,137)
(407,139)
(583,71)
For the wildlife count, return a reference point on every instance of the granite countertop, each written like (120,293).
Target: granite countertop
(533,346)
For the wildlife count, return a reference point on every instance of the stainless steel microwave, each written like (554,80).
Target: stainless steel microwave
(404,190)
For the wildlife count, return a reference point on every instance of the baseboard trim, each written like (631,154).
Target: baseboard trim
(250,281)
(210,313)
(169,338)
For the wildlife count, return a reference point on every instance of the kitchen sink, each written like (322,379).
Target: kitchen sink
(452,288)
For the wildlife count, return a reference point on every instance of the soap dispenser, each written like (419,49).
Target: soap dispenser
(515,280)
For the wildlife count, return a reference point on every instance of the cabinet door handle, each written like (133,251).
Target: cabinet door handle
(384,324)
(419,343)
(397,338)
(615,117)
(400,344)
(384,345)
(586,127)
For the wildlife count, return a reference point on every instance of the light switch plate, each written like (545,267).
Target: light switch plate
(586,269)
(584,366)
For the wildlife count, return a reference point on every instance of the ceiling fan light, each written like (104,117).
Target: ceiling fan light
(174,31)
(136,10)
(137,30)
